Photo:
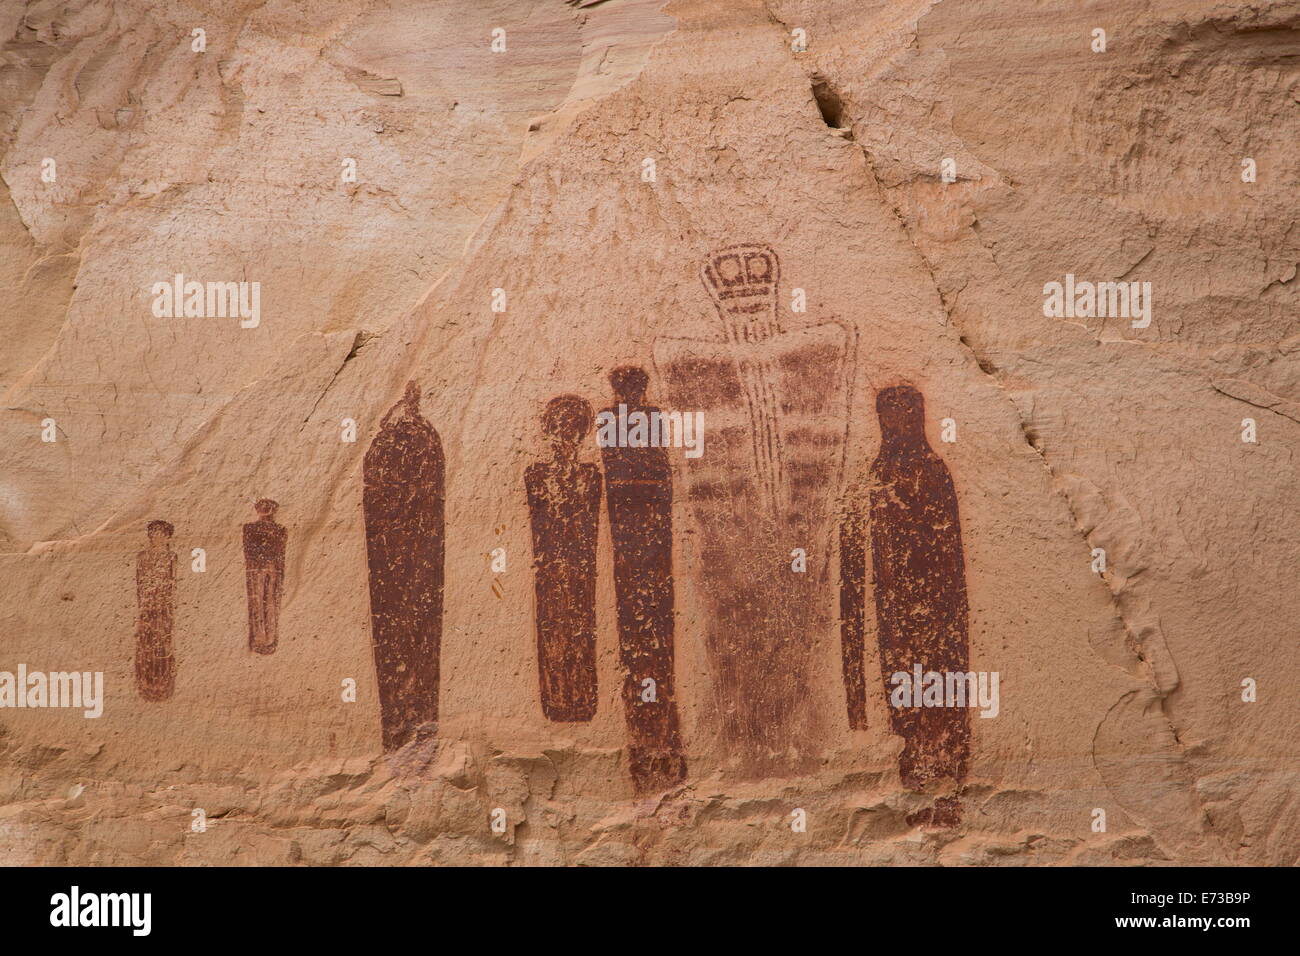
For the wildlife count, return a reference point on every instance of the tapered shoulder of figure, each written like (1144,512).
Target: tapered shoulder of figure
(406,414)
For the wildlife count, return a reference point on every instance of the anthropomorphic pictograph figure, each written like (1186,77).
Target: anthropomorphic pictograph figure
(564,508)
(639,495)
(155,590)
(775,404)
(919,580)
(264,543)
(404,506)
(853,585)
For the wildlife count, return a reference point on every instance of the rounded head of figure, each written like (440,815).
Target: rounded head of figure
(630,382)
(265,507)
(159,530)
(567,419)
(901,409)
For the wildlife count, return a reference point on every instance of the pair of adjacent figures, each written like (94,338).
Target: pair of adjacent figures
(779,403)
(564,496)
(155,587)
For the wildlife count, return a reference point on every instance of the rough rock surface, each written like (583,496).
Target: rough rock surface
(525,171)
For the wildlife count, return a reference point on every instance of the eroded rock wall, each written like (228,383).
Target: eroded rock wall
(522,222)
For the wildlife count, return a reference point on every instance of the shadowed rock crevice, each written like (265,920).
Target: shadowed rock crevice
(829,103)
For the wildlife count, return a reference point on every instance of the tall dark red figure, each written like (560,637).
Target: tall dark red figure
(564,506)
(920,588)
(404,505)
(639,494)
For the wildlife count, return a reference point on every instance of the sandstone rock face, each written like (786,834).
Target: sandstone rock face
(831,228)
